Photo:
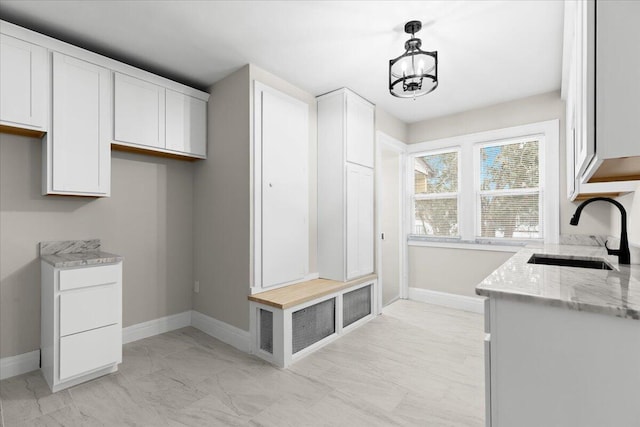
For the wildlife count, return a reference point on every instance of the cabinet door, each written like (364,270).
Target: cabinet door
(139,112)
(23,84)
(90,350)
(359,221)
(80,145)
(186,123)
(618,79)
(283,204)
(360,123)
(585,85)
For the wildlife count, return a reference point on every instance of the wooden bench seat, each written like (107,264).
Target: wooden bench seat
(290,322)
(299,293)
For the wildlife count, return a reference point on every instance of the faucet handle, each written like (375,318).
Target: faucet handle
(611,251)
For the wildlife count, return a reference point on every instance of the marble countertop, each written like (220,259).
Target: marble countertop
(75,253)
(614,292)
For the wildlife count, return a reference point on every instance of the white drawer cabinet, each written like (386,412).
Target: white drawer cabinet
(81,323)
(24,84)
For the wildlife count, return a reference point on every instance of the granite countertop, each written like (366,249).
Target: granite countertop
(76,253)
(614,292)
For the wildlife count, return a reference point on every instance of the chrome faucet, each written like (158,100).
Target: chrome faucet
(624,256)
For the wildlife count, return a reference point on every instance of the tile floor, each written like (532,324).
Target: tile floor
(416,365)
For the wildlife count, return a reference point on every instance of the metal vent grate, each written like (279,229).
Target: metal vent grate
(266,331)
(356,305)
(313,323)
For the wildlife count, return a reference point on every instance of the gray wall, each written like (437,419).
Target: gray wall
(598,219)
(223,197)
(392,126)
(147,219)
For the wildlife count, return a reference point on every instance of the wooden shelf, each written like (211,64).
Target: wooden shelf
(299,293)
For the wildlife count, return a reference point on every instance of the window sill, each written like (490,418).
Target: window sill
(469,245)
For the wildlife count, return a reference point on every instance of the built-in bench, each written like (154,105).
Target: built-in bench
(290,322)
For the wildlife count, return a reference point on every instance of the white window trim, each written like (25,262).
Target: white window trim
(549,168)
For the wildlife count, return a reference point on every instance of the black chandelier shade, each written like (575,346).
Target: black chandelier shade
(415,72)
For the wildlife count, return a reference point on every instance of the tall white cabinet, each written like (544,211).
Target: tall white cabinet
(345,186)
(281,200)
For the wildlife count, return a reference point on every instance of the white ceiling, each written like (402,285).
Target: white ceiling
(488,51)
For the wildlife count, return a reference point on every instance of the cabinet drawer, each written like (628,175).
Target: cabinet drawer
(90,350)
(90,276)
(91,308)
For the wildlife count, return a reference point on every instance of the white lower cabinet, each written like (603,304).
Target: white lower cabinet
(359,221)
(81,323)
(555,366)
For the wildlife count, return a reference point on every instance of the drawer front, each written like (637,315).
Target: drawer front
(84,352)
(90,276)
(90,308)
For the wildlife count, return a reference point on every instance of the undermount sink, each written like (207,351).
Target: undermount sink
(570,261)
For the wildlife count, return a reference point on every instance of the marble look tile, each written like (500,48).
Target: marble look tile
(113,400)
(416,365)
(69,416)
(582,240)
(27,396)
(611,292)
(69,246)
(78,259)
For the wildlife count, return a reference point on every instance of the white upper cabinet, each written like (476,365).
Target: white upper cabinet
(359,130)
(281,195)
(78,157)
(24,84)
(186,123)
(139,112)
(345,186)
(602,93)
(155,118)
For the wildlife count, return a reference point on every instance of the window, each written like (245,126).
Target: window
(436,194)
(509,197)
(498,185)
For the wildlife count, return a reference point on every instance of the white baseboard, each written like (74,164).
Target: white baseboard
(222,331)
(20,364)
(156,327)
(460,302)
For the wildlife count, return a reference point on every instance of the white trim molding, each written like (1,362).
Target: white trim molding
(20,364)
(156,327)
(548,133)
(460,302)
(222,331)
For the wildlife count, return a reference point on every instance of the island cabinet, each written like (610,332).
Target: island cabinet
(547,365)
(81,331)
(345,186)
(24,85)
(602,94)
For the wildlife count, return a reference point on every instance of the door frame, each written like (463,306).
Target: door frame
(388,142)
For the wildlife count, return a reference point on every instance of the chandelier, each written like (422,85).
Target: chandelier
(415,72)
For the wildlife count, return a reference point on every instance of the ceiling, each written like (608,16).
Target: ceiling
(488,51)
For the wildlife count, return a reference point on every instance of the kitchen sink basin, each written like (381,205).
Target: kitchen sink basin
(570,261)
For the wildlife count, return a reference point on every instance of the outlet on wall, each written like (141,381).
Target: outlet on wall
(196,286)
